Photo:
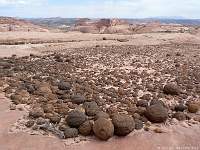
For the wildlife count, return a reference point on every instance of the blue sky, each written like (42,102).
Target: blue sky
(100,8)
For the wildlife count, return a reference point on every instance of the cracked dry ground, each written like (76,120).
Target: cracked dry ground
(68,92)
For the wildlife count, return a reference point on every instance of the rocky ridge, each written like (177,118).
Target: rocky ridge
(11,24)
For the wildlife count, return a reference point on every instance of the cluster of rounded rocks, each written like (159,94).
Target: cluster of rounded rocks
(104,91)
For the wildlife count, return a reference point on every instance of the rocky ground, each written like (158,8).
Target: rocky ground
(117,92)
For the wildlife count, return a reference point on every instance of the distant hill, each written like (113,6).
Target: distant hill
(13,24)
(184,22)
(64,23)
(54,22)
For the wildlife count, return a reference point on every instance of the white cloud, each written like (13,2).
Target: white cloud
(19,2)
(103,8)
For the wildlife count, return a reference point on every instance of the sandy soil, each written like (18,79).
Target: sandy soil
(176,137)
(68,41)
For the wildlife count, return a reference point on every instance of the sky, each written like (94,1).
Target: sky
(100,8)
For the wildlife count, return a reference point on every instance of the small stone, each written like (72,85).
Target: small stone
(138,124)
(101,115)
(142,103)
(180,107)
(21,108)
(40,121)
(179,116)
(63,127)
(156,113)
(93,110)
(41,91)
(148,123)
(36,112)
(171,89)
(81,109)
(78,99)
(75,118)
(64,86)
(193,108)
(158,130)
(103,128)
(12,107)
(146,128)
(141,110)
(55,119)
(123,124)
(48,108)
(71,132)
(30,123)
(35,127)
(197,118)
(86,128)
(136,116)
(112,110)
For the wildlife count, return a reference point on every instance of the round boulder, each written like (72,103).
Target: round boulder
(171,89)
(75,118)
(78,99)
(71,132)
(142,103)
(138,124)
(156,113)
(36,112)
(123,124)
(180,107)
(193,108)
(179,116)
(64,86)
(86,128)
(103,128)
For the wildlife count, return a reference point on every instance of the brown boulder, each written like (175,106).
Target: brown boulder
(71,132)
(156,113)
(123,124)
(171,89)
(75,118)
(193,108)
(86,128)
(36,112)
(103,128)
(179,116)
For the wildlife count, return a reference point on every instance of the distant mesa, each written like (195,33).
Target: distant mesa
(86,25)
(11,24)
(84,22)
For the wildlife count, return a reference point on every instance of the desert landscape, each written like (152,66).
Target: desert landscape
(99,84)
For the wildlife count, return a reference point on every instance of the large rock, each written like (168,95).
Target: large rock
(71,132)
(78,99)
(123,124)
(179,116)
(36,112)
(103,128)
(41,91)
(193,108)
(86,128)
(64,86)
(156,113)
(171,89)
(75,118)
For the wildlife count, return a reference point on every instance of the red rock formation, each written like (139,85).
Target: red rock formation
(11,24)
(84,22)
(153,25)
(103,22)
